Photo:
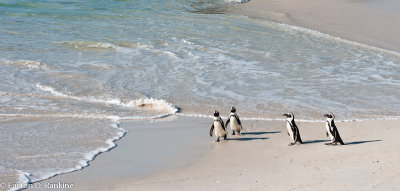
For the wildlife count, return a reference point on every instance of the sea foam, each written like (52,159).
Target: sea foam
(145,103)
(27,64)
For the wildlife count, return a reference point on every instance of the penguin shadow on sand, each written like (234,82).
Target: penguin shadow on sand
(245,136)
(348,143)
(260,133)
(361,142)
(314,141)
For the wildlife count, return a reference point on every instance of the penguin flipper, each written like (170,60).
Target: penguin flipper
(222,124)
(227,122)
(294,131)
(238,120)
(211,130)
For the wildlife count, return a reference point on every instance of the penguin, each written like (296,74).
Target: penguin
(236,125)
(219,127)
(292,129)
(331,130)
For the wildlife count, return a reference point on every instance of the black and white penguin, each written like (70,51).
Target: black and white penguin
(236,125)
(292,129)
(331,130)
(218,127)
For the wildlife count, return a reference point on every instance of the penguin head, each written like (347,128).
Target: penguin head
(216,114)
(289,115)
(330,116)
(233,109)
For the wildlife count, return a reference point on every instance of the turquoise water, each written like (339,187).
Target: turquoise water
(96,63)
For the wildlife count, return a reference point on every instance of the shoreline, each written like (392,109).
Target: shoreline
(148,147)
(364,22)
(259,159)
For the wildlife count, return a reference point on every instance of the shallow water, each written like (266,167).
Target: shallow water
(86,65)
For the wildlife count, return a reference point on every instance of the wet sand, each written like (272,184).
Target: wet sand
(147,148)
(375,23)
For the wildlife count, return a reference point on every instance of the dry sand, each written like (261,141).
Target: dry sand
(258,160)
(375,23)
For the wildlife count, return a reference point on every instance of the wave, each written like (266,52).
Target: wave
(144,103)
(96,46)
(237,1)
(114,118)
(27,64)
(121,47)
(66,115)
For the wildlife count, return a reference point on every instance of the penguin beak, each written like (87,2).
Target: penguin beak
(285,114)
(326,115)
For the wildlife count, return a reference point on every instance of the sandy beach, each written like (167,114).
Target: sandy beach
(260,159)
(376,23)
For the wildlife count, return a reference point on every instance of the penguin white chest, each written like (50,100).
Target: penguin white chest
(289,127)
(328,130)
(234,124)
(219,131)
(289,130)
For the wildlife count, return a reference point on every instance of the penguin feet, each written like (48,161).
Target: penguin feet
(225,137)
(217,140)
(236,133)
(328,143)
(291,144)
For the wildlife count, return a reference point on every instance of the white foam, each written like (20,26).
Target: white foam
(88,45)
(144,117)
(26,64)
(51,90)
(66,115)
(188,42)
(282,119)
(102,45)
(147,103)
(89,116)
(23,181)
(170,54)
(237,1)
(125,48)
(89,156)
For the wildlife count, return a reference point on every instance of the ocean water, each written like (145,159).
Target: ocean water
(71,71)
